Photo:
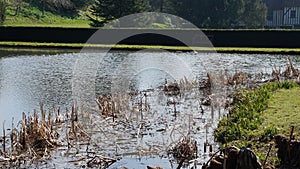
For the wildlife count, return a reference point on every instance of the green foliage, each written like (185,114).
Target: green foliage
(104,11)
(203,13)
(268,134)
(245,113)
(222,13)
(2,11)
(67,8)
(31,16)
(255,15)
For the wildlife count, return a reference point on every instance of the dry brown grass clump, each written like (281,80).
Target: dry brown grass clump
(36,133)
(184,150)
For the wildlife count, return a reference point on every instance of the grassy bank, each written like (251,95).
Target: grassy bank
(257,115)
(33,17)
(37,45)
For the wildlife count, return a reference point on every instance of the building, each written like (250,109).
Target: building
(283,13)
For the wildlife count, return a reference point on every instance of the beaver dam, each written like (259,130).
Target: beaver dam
(169,125)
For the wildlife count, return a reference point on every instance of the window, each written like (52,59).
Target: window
(293,14)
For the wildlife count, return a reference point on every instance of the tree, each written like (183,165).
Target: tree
(221,13)
(3,6)
(255,14)
(104,11)
(165,6)
(79,4)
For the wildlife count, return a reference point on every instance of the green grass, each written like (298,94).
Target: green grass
(138,47)
(260,50)
(284,111)
(32,16)
(259,114)
(118,46)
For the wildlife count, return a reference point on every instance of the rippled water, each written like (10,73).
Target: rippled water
(62,79)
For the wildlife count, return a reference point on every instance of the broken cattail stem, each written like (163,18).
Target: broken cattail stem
(141,103)
(146,105)
(49,119)
(67,135)
(141,106)
(58,115)
(67,114)
(43,112)
(4,137)
(76,112)
(22,138)
(73,118)
(113,106)
(174,103)
(12,134)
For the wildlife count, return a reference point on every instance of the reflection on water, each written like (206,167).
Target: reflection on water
(61,79)
(26,81)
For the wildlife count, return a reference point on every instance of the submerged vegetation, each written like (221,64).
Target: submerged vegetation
(135,123)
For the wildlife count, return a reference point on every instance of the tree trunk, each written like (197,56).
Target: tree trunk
(161,6)
(43,7)
(2,11)
(18,7)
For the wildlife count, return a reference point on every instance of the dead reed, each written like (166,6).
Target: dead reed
(184,150)
(36,136)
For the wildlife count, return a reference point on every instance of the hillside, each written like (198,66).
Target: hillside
(30,15)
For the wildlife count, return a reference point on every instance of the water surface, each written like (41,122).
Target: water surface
(60,80)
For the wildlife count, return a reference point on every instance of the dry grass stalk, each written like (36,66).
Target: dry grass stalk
(186,84)
(37,133)
(111,106)
(290,72)
(238,78)
(43,112)
(73,120)
(105,106)
(36,138)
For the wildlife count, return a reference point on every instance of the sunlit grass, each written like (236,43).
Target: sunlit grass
(138,47)
(284,111)
(31,16)
(280,105)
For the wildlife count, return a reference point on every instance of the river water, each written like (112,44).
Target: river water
(59,80)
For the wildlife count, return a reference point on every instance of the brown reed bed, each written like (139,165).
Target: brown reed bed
(38,136)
